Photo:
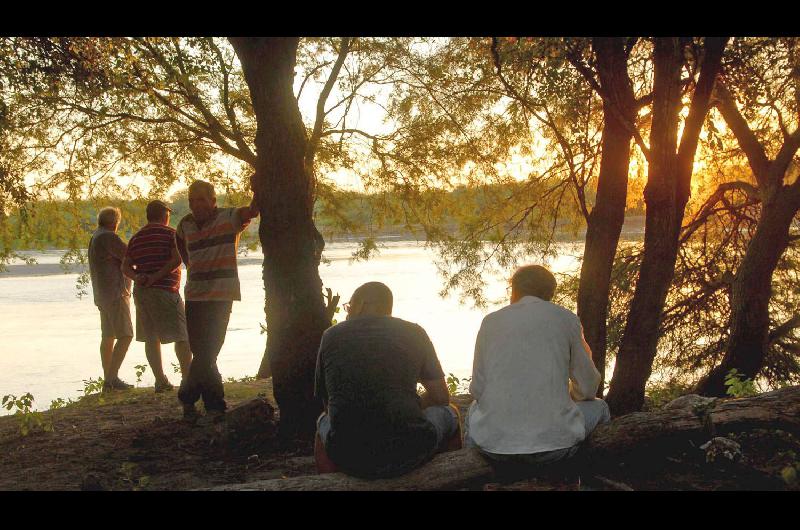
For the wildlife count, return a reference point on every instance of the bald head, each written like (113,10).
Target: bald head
(371,299)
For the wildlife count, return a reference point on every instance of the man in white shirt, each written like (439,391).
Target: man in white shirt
(533,379)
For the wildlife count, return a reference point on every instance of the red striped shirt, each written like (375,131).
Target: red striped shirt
(149,249)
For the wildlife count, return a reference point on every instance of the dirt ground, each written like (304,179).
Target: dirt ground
(136,440)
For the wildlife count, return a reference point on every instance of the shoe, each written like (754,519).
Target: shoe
(190,413)
(163,386)
(116,384)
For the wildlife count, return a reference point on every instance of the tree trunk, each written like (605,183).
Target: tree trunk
(751,292)
(295,310)
(662,223)
(608,215)
(666,195)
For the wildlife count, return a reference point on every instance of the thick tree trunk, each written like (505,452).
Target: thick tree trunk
(664,214)
(295,309)
(605,222)
(751,292)
(666,195)
(647,435)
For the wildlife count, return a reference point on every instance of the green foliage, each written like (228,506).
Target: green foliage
(93,386)
(140,370)
(60,403)
(245,379)
(656,396)
(791,472)
(129,470)
(456,386)
(29,420)
(738,386)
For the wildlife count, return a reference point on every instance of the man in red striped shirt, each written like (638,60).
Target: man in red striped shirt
(153,262)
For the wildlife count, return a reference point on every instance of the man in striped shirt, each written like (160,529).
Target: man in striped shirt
(208,239)
(153,262)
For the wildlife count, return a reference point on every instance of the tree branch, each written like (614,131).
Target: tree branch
(229,110)
(319,122)
(709,68)
(753,150)
(588,74)
(783,329)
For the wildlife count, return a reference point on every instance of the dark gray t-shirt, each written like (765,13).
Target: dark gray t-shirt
(367,372)
(106,251)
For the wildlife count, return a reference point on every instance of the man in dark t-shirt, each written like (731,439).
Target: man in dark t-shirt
(375,424)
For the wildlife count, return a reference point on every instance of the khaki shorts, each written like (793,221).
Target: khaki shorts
(115,319)
(160,316)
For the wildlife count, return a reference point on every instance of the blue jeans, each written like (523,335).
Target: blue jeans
(594,412)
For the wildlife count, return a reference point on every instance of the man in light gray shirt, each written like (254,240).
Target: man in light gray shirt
(533,379)
(112,296)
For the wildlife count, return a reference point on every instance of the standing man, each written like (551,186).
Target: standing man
(533,379)
(153,262)
(112,293)
(207,241)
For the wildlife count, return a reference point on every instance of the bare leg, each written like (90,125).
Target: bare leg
(184,355)
(117,356)
(106,347)
(152,350)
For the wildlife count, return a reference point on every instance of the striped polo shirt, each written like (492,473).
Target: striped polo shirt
(149,249)
(212,273)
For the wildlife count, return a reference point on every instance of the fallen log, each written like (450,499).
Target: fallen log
(447,471)
(659,432)
(695,419)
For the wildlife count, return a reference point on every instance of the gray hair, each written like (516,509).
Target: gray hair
(108,216)
(534,280)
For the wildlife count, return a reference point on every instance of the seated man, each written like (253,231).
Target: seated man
(526,355)
(375,424)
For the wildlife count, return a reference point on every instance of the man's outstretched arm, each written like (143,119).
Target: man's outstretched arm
(247,213)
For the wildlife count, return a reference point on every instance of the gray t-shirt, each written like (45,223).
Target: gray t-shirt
(106,251)
(367,372)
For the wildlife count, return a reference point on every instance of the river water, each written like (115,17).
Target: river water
(49,338)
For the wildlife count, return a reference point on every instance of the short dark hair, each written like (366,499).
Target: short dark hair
(156,211)
(534,280)
(375,293)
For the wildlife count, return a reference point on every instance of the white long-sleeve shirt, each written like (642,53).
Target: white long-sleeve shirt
(526,356)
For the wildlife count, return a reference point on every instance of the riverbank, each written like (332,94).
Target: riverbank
(136,440)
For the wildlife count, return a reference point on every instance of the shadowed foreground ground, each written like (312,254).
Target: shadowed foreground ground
(135,440)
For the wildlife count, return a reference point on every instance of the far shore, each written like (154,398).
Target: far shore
(633,228)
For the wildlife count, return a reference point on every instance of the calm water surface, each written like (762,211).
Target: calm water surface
(49,338)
